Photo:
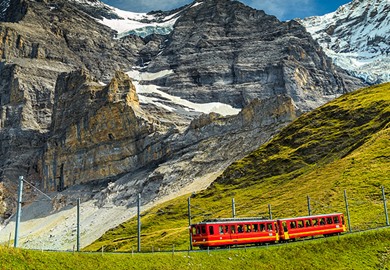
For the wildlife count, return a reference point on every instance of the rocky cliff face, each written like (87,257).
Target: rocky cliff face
(356,37)
(71,122)
(224,51)
(95,132)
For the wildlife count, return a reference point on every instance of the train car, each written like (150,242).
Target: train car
(229,232)
(300,227)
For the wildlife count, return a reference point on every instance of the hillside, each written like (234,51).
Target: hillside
(343,145)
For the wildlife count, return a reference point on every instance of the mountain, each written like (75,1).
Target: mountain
(356,37)
(86,114)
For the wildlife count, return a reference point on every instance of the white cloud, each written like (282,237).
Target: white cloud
(283,9)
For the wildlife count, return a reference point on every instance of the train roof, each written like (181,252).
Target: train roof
(234,220)
(313,216)
(259,219)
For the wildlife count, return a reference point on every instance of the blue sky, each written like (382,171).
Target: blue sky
(283,9)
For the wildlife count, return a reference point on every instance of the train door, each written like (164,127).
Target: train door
(343,223)
(233,233)
(284,229)
(276,228)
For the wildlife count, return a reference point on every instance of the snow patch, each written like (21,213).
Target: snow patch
(152,94)
(140,24)
(196,4)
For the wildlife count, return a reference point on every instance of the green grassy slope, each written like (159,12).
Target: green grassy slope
(344,145)
(369,250)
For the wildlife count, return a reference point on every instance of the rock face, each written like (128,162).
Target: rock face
(95,132)
(221,50)
(69,120)
(100,132)
(356,37)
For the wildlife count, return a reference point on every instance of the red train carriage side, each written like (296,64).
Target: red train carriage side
(299,227)
(228,232)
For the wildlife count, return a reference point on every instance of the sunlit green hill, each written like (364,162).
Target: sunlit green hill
(343,145)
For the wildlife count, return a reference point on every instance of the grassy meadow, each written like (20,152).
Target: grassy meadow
(368,250)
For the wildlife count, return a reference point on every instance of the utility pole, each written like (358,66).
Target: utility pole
(269,211)
(347,209)
(189,220)
(18,211)
(139,221)
(78,225)
(233,208)
(385,206)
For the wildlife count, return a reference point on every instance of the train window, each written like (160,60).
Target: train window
(197,229)
(300,223)
(293,224)
(314,222)
(322,221)
(220,229)
(226,228)
(240,229)
(248,228)
(342,220)
(232,229)
(203,228)
(276,227)
(307,222)
(336,220)
(269,226)
(255,227)
(262,227)
(193,230)
(211,229)
(329,220)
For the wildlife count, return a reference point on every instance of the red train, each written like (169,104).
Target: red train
(234,231)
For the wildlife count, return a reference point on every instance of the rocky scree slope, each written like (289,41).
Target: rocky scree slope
(74,136)
(356,37)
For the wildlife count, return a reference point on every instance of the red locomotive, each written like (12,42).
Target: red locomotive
(235,231)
